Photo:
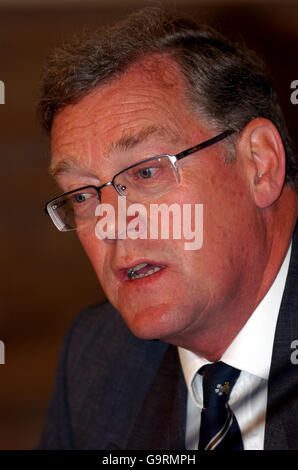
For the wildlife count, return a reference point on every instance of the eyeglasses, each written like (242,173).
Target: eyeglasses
(143,181)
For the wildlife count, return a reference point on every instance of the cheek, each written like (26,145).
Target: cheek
(228,215)
(94,249)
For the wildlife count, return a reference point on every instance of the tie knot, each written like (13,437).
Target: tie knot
(218,381)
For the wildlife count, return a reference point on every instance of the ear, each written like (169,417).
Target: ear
(266,153)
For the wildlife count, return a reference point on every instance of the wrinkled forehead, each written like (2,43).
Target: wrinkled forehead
(156,71)
(150,94)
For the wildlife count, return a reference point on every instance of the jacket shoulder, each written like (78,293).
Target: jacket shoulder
(103,375)
(93,329)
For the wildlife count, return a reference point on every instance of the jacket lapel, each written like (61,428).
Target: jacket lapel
(161,421)
(281,431)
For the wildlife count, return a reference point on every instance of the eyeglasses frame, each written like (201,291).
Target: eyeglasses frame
(173,159)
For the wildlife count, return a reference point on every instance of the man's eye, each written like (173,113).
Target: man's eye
(81,197)
(146,173)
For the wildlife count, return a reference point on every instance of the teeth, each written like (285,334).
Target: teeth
(139,266)
(132,271)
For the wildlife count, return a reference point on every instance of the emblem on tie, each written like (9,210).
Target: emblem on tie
(220,389)
(219,429)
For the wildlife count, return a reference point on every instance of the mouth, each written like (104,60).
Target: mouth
(142,270)
(139,271)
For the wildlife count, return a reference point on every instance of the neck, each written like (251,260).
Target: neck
(213,338)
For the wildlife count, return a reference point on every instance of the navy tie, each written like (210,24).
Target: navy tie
(219,428)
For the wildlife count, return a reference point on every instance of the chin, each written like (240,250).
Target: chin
(153,322)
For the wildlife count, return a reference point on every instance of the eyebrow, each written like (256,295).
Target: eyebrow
(128,141)
(63,166)
(124,143)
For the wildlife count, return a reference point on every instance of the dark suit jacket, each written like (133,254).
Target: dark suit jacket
(115,391)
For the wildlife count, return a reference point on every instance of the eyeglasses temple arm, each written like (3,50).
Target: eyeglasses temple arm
(203,145)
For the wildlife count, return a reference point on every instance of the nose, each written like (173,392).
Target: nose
(118,219)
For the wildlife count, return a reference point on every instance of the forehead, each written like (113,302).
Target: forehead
(148,100)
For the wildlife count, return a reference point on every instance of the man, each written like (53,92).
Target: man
(155,86)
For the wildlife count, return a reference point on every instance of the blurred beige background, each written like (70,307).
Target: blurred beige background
(45,277)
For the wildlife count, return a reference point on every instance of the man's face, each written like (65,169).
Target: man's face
(139,116)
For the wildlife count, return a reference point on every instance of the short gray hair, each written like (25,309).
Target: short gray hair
(227,81)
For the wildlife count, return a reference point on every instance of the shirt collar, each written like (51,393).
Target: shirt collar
(251,349)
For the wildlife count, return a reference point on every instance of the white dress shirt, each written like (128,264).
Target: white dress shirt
(250,352)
